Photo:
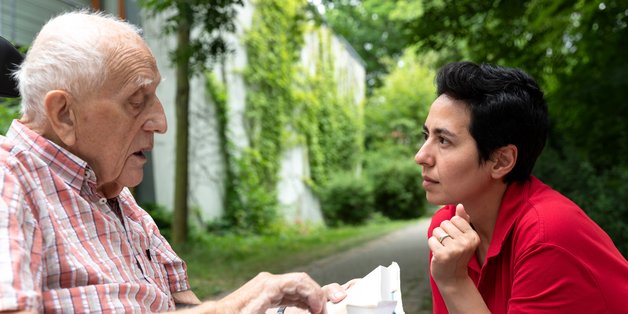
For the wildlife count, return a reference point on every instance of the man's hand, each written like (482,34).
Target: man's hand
(334,292)
(453,245)
(267,290)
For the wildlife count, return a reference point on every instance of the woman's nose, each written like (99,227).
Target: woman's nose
(422,156)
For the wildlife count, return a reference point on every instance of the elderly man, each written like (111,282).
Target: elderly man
(72,238)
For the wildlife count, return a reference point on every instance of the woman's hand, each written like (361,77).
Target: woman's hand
(453,244)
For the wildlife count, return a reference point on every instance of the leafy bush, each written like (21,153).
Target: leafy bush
(9,110)
(397,189)
(347,199)
(601,193)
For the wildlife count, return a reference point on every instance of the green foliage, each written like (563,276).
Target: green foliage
(396,181)
(9,110)
(347,199)
(286,106)
(330,121)
(372,28)
(215,17)
(576,49)
(254,206)
(273,46)
(395,112)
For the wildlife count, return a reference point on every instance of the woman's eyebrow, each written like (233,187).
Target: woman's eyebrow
(439,131)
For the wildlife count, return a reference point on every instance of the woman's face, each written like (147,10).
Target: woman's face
(449,158)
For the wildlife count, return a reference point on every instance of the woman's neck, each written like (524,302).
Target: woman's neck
(483,212)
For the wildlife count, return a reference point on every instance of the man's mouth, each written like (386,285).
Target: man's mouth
(139,153)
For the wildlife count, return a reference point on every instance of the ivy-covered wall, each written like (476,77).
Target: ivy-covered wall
(293,99)
(286,113)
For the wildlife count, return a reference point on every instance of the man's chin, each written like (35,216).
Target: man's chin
(113,189)
(133,182)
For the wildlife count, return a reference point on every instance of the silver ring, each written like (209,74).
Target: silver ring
(441,239)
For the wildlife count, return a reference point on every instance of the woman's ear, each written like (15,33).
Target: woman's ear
(504,160)
(58,106)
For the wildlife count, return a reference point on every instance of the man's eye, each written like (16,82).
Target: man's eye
(425,136)
(443,140)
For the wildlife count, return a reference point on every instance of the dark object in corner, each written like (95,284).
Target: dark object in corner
(10,59)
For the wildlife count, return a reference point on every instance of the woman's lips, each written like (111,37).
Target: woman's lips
(427,182)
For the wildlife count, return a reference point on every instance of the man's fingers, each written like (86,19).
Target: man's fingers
(350,283)
(335,292)
(267,290)
(304,287)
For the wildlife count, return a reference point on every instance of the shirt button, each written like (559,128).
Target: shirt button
(102,201)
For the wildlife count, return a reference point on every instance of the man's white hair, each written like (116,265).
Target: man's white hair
(70,53)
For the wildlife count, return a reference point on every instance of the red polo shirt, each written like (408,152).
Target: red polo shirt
(546,256)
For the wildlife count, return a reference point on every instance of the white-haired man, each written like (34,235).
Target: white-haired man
(72,238)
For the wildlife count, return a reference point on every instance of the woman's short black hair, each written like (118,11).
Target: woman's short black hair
(507,107)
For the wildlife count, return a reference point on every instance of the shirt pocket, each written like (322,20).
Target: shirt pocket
(153,265)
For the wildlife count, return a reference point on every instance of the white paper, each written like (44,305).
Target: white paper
(379,292)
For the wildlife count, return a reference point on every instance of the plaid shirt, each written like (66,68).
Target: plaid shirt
(63,247)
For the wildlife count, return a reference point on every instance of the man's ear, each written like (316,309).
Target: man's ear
(504,160)
(61,115)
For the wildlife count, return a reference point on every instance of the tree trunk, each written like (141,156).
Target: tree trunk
(182,97)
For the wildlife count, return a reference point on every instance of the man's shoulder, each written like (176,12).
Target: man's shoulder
(18,167)
(13,155)
(10,154)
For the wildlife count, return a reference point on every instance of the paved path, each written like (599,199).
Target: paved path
(407,247)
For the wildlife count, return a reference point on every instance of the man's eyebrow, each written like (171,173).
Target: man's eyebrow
(143,81)
(439,131)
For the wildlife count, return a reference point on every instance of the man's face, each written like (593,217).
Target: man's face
(115,126)
(449,157)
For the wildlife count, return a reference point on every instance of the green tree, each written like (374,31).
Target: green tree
(396,110)
(576,48)
(372,28)
(191,56)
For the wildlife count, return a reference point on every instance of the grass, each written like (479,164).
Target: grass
(220,264)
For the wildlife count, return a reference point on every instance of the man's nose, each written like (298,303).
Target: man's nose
(156,121)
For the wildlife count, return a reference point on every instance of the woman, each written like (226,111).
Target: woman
(511,244)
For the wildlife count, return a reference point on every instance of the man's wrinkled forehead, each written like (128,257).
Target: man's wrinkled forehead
(132,64)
